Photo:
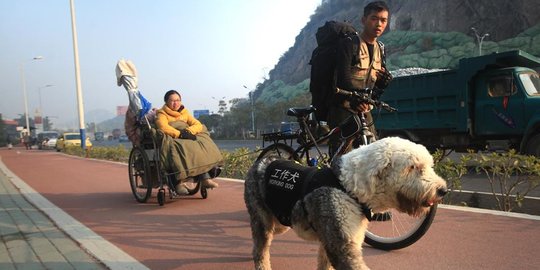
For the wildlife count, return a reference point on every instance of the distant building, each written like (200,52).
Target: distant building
(121,110)
(38,121)
(197,113)
(11,129)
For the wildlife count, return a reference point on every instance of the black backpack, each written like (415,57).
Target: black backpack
(323,64)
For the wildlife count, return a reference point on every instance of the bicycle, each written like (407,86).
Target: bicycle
(388,230)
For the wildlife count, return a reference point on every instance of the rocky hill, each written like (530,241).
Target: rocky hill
(421,33)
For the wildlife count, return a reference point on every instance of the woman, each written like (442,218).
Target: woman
(192,153)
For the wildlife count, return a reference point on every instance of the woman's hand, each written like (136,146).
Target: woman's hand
(185,134)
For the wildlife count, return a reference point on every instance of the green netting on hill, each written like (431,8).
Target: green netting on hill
(430,50)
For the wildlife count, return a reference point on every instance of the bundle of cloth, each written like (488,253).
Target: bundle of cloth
(189,158)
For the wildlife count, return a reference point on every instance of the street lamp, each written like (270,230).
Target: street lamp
(23,80)
(39,93)
(250,93)
(41,106)
(479,39)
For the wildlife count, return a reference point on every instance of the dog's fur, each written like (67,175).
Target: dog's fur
(389,173)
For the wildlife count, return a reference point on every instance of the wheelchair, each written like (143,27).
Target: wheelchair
(146,173)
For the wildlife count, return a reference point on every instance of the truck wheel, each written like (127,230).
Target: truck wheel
(533,146)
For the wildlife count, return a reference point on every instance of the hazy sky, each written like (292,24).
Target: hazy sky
(206,49)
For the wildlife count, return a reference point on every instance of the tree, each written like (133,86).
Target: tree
(47,124)
(22,121)
(236,122)
(3,135)
(91,127)
(211,121)
(222,106)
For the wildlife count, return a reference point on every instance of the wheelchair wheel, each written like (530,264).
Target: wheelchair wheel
(161,197)
(394,230)
(204,192)
(192,186)
(139,175)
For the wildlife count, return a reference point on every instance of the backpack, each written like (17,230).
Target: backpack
(323,63)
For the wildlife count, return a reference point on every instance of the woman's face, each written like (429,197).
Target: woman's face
(174,102)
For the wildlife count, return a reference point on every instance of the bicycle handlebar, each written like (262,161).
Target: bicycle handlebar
(366,98)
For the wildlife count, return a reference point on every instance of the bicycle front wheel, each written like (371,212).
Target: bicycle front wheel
(395,230)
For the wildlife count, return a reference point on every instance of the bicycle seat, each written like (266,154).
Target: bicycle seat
(300,112)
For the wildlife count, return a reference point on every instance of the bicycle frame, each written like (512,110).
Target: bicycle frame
(307,140)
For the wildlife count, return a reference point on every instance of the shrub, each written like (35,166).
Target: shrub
(238,162)
(114,153)
(118,153)
(511,176)
(451,171)
(75,151)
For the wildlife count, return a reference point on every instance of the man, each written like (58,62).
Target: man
(27,141)
(368,71)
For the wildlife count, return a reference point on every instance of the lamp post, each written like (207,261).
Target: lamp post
(78,76)
(250,93)
(479,39)
(41,114)
(23,82)
(39,93)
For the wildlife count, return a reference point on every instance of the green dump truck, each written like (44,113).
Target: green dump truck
(490,102)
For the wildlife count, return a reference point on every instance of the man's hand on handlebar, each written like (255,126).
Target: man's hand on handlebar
(356,98)
(359,106)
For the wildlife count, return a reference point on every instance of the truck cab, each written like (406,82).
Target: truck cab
(505,101)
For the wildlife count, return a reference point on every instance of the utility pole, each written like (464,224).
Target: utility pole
(78,76)
(250,93)
(23,79)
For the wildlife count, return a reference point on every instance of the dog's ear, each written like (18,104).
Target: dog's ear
(362,168)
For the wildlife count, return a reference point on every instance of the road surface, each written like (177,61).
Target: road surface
(193,233)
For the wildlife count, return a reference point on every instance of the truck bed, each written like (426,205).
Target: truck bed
(424,101)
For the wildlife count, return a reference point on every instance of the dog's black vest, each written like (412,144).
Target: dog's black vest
(287,182)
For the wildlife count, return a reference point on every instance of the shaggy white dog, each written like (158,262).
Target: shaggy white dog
(325,204)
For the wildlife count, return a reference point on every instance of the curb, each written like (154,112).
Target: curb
(487,211)
(102,250)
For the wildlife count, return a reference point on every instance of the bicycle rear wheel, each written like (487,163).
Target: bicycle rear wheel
(278,151)
(395,230)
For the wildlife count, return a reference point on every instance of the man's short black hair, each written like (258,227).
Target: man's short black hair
(376,6)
